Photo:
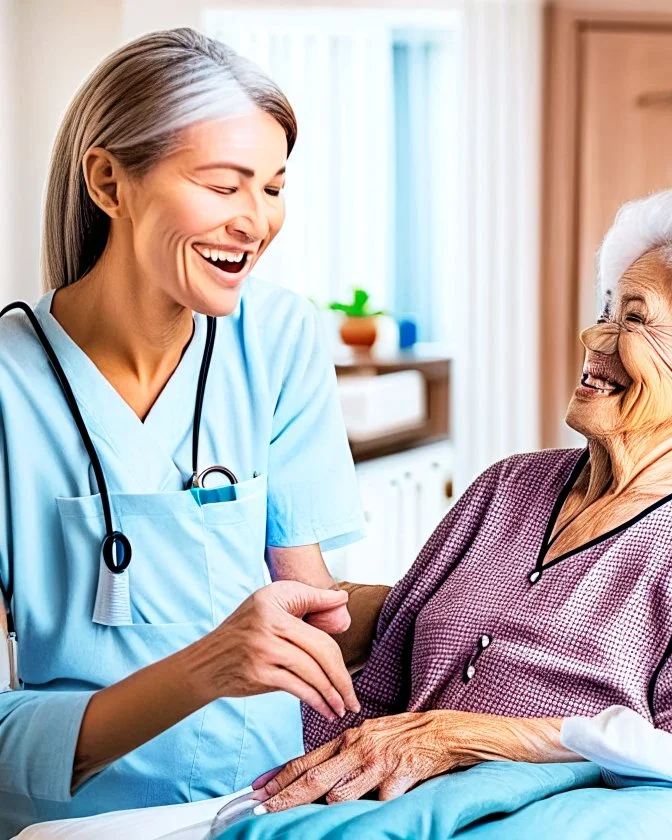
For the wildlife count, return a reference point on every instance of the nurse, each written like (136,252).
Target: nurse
(178,678)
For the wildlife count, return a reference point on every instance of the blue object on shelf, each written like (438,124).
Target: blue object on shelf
(408,333)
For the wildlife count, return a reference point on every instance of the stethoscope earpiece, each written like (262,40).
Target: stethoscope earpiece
(116,551)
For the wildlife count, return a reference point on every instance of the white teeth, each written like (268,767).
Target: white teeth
(599,384)
(215,254)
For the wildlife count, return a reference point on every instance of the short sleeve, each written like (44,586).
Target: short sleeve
(313,496)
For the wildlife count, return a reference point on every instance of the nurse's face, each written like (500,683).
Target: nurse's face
(202,217)
(626,384)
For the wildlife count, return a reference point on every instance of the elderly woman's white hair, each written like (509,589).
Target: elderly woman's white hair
(640,226)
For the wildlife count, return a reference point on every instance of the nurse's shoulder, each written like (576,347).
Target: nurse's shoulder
(277,308)
(287,324)
(21,355)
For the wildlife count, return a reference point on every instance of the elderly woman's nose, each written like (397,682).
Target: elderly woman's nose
(601,338)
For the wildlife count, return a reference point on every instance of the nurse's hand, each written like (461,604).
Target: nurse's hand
(266,646)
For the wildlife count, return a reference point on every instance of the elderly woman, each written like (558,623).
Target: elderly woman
(546,592)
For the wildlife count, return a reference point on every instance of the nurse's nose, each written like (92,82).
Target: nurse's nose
(252,223)
(601,338)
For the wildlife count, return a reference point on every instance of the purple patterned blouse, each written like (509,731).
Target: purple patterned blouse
(479,624)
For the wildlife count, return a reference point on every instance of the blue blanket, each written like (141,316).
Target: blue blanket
(502,800)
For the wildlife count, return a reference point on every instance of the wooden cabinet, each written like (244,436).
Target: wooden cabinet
(608,139)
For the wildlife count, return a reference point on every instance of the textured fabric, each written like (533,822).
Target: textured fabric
(271,414)
(591,632)
(494,801)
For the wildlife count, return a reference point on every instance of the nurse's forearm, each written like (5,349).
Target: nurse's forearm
(130,713)
(263,646)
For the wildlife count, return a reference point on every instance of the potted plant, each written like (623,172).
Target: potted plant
(358,328)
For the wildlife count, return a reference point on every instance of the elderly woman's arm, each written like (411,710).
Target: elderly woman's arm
(394,753)
(354,626)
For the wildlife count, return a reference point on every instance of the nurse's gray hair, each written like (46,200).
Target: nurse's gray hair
(640,226)
(135,104)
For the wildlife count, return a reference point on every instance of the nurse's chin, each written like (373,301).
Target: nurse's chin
(216,298)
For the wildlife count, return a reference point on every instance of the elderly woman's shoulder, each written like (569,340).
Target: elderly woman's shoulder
(534,467)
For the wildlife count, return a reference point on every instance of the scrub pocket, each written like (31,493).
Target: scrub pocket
(191,563)
(235,541)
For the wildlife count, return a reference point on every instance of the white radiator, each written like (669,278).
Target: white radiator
(404,498)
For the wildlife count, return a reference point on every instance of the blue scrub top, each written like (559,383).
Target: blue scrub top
(271,415)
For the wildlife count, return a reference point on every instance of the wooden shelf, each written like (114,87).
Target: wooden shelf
(436,371)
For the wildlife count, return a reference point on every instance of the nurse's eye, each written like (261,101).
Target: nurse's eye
(274,191)
(224,190)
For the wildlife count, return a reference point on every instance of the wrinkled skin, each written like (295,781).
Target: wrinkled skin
(629,432)
(395,753)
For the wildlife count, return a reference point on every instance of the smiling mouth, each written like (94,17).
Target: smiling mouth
(606,387)
(226,261)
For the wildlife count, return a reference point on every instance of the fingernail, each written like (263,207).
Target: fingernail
(266,777)
(259,810)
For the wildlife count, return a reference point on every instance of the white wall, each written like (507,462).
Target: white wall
(8,186)
(56,45)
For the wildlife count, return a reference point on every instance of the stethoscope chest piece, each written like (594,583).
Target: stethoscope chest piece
(198,479)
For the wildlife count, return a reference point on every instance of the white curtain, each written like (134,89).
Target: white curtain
(490,251)
(338,76)
(496,389)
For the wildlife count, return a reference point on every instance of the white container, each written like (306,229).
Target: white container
(378,405)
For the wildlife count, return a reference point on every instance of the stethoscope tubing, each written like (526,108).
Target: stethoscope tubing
(72,405)
(116,548)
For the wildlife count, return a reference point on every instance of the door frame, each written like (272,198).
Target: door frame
(560,354)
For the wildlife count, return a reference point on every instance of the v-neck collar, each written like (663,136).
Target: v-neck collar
(584,457)
(146,448)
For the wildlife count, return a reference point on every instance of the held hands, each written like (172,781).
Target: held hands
(266,646)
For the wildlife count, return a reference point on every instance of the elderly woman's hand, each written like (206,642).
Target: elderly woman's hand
(392,754)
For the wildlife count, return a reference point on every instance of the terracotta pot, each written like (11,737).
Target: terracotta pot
(359,332)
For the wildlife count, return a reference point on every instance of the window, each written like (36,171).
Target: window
(372,197)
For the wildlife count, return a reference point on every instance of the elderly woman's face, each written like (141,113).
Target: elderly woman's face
(626,385)
(203,216)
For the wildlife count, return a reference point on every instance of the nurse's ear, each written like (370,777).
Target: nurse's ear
(105,181)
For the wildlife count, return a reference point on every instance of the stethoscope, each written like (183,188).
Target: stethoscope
(116,548)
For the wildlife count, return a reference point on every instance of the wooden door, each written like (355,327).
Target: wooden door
(625,134)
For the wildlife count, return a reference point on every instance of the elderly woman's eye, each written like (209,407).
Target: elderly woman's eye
(633,318)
